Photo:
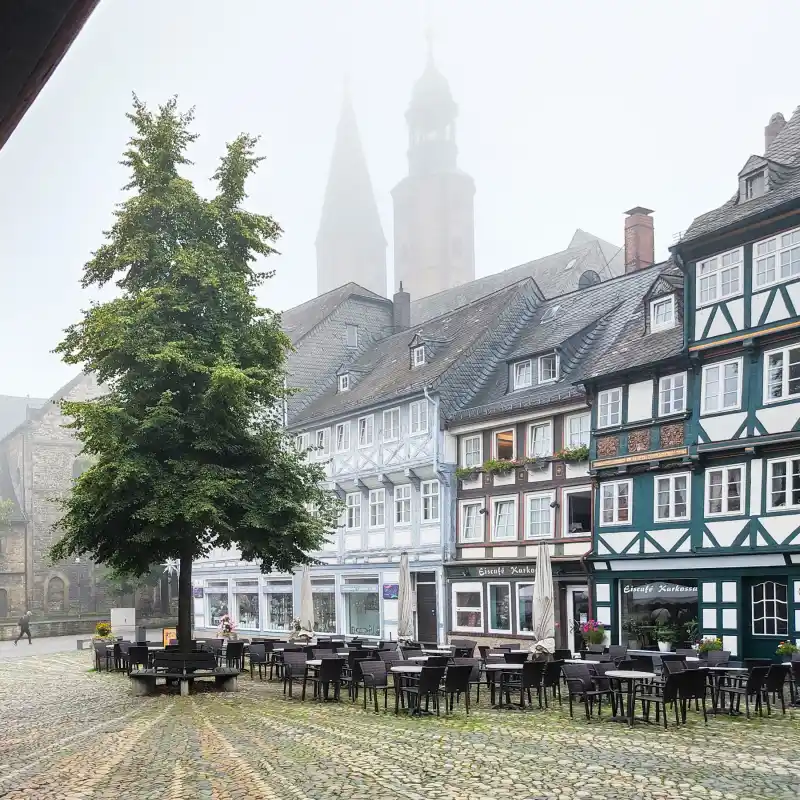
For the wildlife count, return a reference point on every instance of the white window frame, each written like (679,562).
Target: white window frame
(542,423)
(480,518)
(777,249)
(464,440)
(600,395)
(517,586)
(568,433)
(377,500)
(369,426)
(549,498)
(565,493)
(418,429)
(347,329)
(418,355)
(539,361)
(704,381)
(393,434)
(725,497)
(785,395)
(344,427)
(615,521)
(472,586)
(671,478)
(717,273)
(325,449)
(662,326)
(489,627)
(774,600)
(787,462)
(344,382)
(670,393)
(516,367)
(400,489)
(750,185)
(510,498)
(302,442)
(352,521)
(426,491)
(513,430)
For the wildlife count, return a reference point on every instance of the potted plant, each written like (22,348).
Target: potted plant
(708,644)
(500,466)
(593,632)
(665,636)
(787,649)
(692,632)
(102,631)
(636,633)
(227,630)
(467,473)
(573,455)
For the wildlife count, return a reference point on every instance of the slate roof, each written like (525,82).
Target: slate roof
(14,411)
(300,320)
(783,163)
(465,346)
(554,275)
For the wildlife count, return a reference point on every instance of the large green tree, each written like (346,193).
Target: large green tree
(188,446)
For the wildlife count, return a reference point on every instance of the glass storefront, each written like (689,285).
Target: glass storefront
(500,607)
(362,606)
(279,605)
(217,601)
(525,602)
(247,605)
(324,595)
(653,609)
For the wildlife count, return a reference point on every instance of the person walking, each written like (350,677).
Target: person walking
(24,627)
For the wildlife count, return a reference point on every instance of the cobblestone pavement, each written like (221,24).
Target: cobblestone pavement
(68,733)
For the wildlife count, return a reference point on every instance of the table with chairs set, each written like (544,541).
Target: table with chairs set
(125,656)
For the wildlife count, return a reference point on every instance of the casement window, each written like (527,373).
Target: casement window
(540,439)
(391,425)
(471,522)
(615,503)
(770,609)
(609,408)
(366,431)
(323,443)
(429,491)
(783,487)
(402,504)
(352,504)
(418,416)
(672,394)
(351,335)
(468,607)
(662,313)
(719,277)
(471,451)
(782,374)
(504,444)
(777,259)
(539,516)
(344,383)
(576,511)
(343,437)
(548,368)
(523,374)
(499,607)
(302,442)
(672,500)
(722,386)
(377,508)
(724,490)
(418,356)
(504,518)
(578,430)
(754,185)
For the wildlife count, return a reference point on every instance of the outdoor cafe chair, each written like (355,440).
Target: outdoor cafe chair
(531,677)
(747,686)
(749,663)
(693,685)
(437,661)
(584,686)
(102,655)
(390,656)
(427,687)
(456,683)
(516,657)
(258,658)
(293,669)
(475,665)
(375,676)
(351,671)
(718,658)
(562,655)
(551,680)
(617,652)
(773,685)
(234,655)
(328,673)
(660,696)
(138,656)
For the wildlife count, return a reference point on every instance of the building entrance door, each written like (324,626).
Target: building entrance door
(577,614)
(427,621)
(766,613)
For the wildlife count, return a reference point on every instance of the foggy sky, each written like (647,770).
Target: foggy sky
(570,113)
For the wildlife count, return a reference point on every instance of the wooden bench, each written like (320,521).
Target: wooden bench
(184,668)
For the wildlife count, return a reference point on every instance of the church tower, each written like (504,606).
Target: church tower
(434,218)
(350,242)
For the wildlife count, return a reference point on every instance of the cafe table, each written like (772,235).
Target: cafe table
(440,651)
(580,661)
(630,676)
(418,658)
(406,671)
(504,670)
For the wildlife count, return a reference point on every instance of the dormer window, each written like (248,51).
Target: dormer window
(754,186)
(662,313)
(344,383)
(418,356)
(548,368)
(523,374)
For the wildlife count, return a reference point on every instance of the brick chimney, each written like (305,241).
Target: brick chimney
(401,310)
(777,123)
(639,239)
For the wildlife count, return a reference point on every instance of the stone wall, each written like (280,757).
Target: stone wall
(75,626)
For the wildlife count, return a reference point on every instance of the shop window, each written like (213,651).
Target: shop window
(500,607)
(525,607)
(504,444)
(770,609)
(577,505)
(216,601)
(247,611)
(362,606)
(724,490)
(468,607)
(645,605)
(279,605)
(324,596)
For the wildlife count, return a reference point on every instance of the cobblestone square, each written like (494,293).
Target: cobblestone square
(69,733)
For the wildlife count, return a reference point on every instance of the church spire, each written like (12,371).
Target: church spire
(350,241)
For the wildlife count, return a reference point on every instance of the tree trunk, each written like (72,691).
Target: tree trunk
(185,604)
(164,595)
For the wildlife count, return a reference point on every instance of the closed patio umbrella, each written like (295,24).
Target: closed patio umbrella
(544,623)
(306,615)
(405,606)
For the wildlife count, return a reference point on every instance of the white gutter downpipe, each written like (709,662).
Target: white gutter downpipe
(435,404)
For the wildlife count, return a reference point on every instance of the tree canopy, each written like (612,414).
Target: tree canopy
(188,445)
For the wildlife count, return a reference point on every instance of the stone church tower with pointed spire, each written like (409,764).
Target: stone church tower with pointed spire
(434,218)
(350,243)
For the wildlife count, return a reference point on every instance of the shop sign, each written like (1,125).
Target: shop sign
(391,591)
(655,455)
(168,634)
(197,592)
(659,589)
(504,571)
